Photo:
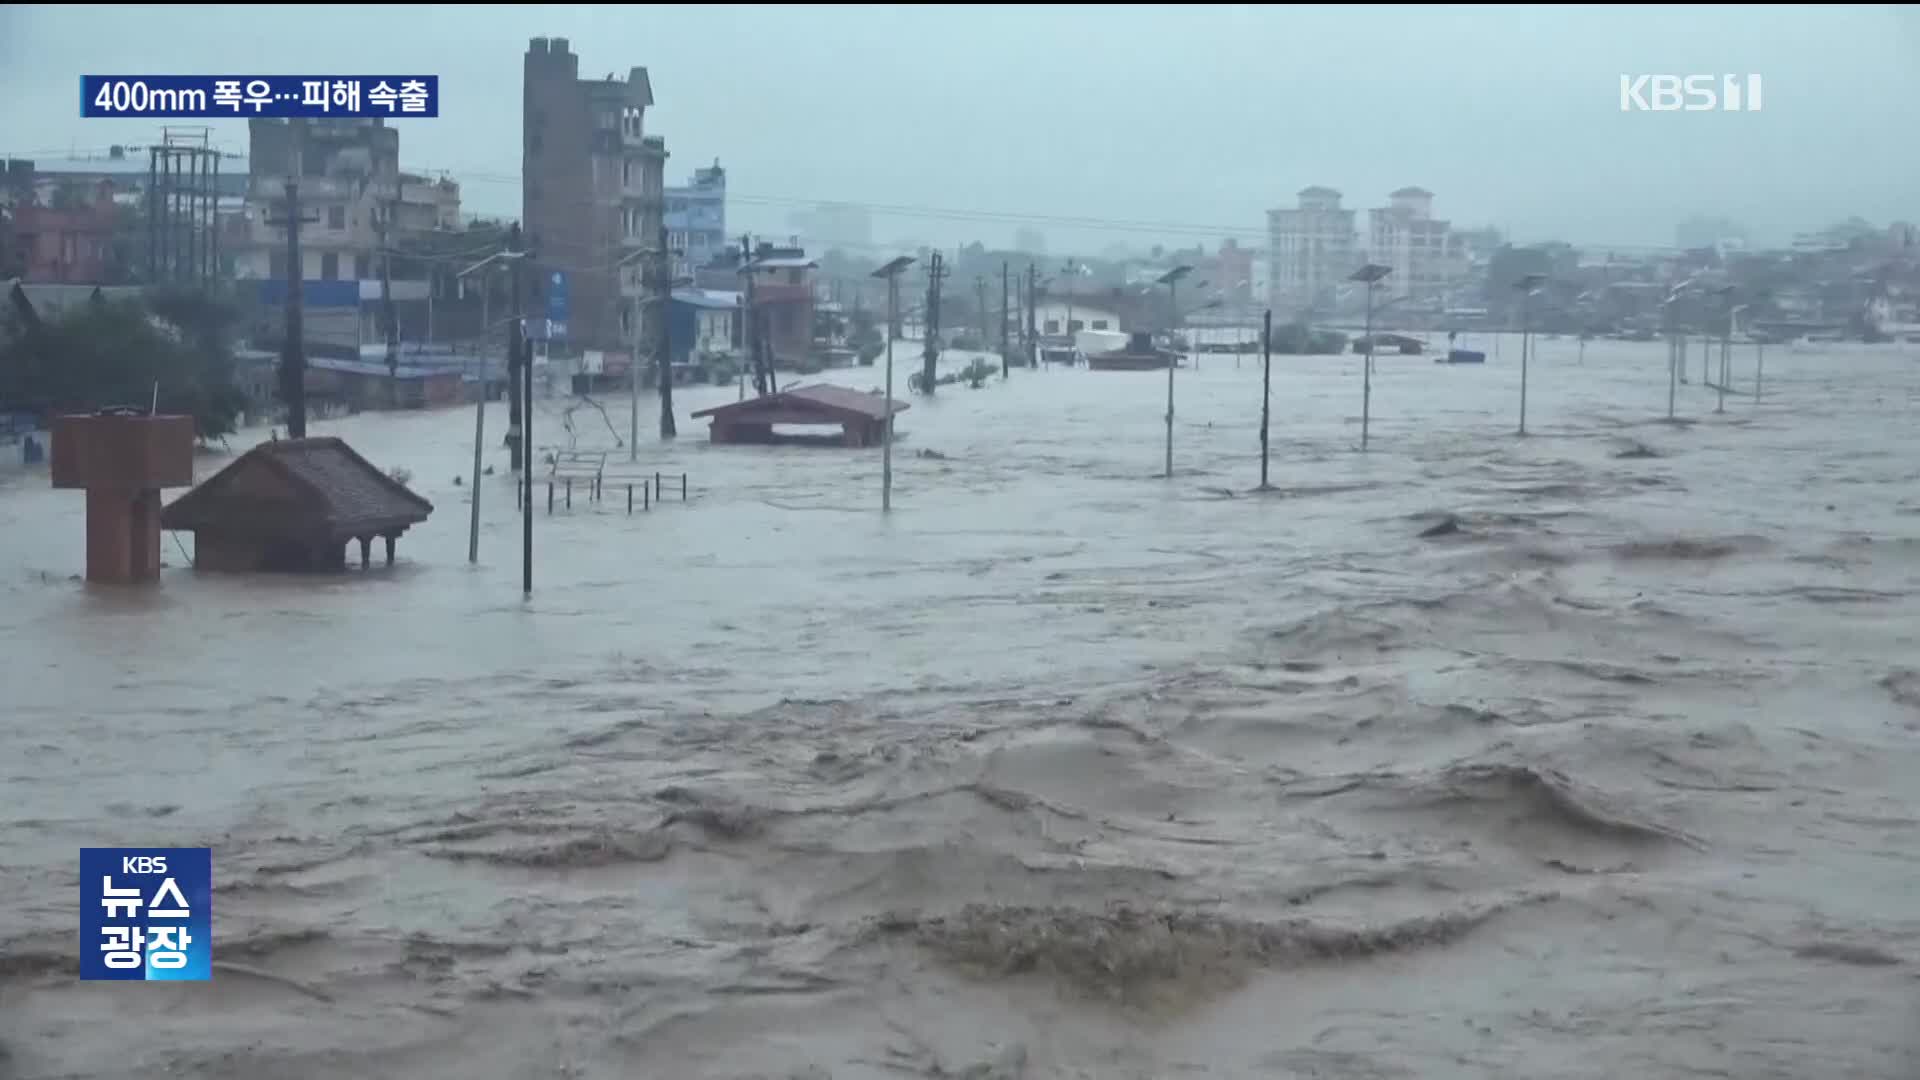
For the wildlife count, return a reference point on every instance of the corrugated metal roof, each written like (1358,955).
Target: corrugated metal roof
(782,262)
(708,298)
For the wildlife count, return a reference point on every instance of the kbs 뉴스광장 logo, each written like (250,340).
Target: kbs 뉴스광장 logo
(146,914)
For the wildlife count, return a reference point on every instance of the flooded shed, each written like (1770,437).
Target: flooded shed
(294,505)
(861,417)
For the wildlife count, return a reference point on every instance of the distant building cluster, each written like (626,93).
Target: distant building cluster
(1314,247)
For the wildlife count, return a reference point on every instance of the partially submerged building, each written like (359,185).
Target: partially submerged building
(862,418)
(294,505)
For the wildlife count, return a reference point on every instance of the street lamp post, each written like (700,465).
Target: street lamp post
(1171,279)
(1727,354)
(1527,286)
(891,272)
(1266,389)
(1369,275)
(633,366)
(485,268)
(1726,347)
(1676,344)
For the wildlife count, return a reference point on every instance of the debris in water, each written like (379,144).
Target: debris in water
(934,455)
(1846,953)
(1447,526)
(1638,450)
(1136,956)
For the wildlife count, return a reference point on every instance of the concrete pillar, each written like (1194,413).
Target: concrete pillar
(122,462)
(366,551)
(389,540)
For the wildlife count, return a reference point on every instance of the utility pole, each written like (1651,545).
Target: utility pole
(390,324)
(1004,314)
(891,272)
(633,383)
(663,264)
(750,327)
(1266,390)
(479,420)
(515,387)
(980,301)
(293,356)
(930,353)
(1067,272)
(484,269)
(1033,317)
(525,349)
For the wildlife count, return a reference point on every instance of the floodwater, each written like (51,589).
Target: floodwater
(1062,769)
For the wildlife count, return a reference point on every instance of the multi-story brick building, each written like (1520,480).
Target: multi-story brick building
(347,170)
(592,193)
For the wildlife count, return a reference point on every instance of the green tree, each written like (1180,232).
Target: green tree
(174,349)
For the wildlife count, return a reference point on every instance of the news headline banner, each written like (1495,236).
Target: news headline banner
(198,96)
(146,914)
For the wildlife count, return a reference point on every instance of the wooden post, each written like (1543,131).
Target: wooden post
(683,487)
(389,540)
(646,496)
(549,497)
(629,498)
(366,551)
(569,492)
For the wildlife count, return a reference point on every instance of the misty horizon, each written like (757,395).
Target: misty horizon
(1148,126)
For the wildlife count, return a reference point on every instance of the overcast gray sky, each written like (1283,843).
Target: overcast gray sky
(1199,116)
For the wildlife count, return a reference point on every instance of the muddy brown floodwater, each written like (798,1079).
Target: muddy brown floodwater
(1061,770)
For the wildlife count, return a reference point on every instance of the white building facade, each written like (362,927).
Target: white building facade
(1426,258)
(1311,250)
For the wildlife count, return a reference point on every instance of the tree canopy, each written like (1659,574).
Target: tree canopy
(175,342)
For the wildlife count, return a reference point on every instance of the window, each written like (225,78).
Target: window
(793,277)
(1076,326)
(336,217)
(1099,324)
(626,171)
(329,267)
(1053,327)
(359,267)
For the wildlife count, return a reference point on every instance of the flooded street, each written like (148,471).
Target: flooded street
(1062,769)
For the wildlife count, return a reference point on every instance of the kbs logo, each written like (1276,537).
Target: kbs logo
(146,914)
(1689,93)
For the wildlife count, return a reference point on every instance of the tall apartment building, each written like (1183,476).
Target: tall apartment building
(1427,259)
(697,219)
(1311,250)
(348,169)
(592,194)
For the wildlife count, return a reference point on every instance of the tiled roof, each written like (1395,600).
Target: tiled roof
(332,492)
(833,399)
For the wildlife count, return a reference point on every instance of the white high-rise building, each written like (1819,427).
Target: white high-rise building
(1426,257)
(1311,250)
